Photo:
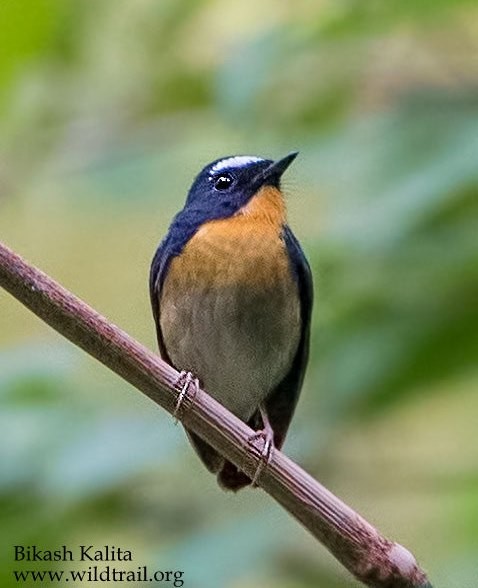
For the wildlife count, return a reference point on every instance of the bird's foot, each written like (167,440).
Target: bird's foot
(186,381)
(267,436)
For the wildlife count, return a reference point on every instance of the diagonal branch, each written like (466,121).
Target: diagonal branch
(370,557)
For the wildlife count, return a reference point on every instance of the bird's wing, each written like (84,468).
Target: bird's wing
(159,266)
(281,403)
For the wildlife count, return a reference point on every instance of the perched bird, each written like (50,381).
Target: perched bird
(231,293)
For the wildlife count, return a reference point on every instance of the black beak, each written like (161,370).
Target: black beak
(272,175)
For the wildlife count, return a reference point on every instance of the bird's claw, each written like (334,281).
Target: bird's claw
(185,380)
(267,435)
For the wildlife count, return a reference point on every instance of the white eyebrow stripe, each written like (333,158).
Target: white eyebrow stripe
(234,162)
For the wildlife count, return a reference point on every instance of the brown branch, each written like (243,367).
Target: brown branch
(369,556)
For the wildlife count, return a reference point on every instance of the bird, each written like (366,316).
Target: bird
(231,293)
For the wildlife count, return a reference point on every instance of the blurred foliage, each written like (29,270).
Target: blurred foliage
(106,112)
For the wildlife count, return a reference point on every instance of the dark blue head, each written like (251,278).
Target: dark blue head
(227,184)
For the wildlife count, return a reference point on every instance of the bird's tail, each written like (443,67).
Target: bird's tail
(229,477)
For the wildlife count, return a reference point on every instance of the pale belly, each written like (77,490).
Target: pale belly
(234,322)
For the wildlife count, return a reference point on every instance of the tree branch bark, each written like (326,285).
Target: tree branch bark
(370,557)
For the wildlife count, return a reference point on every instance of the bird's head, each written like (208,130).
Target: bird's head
(226,185)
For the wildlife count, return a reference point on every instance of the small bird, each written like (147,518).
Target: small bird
(231,293)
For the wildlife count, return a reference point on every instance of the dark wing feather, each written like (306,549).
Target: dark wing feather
(161,261)
(281,403)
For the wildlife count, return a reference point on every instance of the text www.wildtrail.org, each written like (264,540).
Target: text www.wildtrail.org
(101,574)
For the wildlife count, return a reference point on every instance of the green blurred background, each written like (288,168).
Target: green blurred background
(107,110)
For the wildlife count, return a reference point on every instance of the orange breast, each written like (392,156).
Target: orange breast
(246,248)
(230,310)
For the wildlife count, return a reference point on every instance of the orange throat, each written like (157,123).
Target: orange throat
(268,205)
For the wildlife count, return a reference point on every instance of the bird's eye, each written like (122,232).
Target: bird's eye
(223,182)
